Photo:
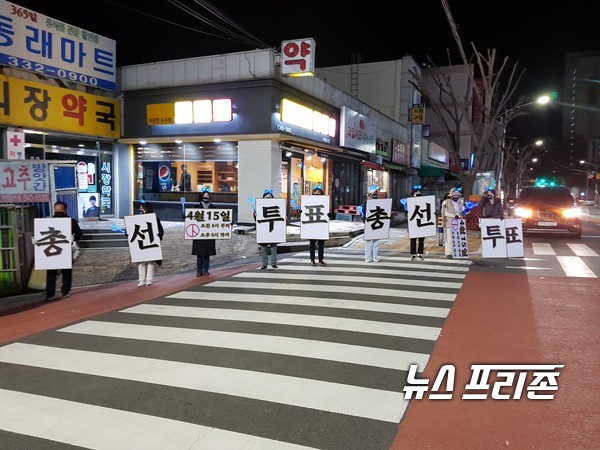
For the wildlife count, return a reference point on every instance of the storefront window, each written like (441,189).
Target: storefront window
(378,180)
(187,167)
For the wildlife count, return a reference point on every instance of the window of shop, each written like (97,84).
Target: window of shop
(346,183)
(94,168)
(378,180)
(301,173)
(186,167)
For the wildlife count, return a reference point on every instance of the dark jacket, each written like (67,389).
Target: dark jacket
(491,209)
(204,247)
(75,229)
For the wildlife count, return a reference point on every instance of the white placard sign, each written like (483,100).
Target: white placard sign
(270,220)
(493,241)
(298,57)
(460,244)
(421,216)
(314,220)
(142,234)
(208,223)
(377,219)
(514,238)
(52,248)
(502,238)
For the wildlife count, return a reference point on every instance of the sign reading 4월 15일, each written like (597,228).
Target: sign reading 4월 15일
(37,43)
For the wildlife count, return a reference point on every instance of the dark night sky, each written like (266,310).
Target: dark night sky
(531,32)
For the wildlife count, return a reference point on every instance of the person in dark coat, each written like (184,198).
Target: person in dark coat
(416,244)
(60,210)
(204,248)
(491,206)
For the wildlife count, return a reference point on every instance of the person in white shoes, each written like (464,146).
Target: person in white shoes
(452,208)
(146,268)
(372,245)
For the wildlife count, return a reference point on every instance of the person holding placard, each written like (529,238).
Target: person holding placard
(204,248)
(268,248)
(146,268)
(416,244)
(371,245)
(452,208)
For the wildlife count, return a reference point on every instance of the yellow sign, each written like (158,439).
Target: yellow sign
(417,115)
(160,114)
(34,105)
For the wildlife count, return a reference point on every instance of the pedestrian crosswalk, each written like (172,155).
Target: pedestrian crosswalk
(297,357)
(571,257)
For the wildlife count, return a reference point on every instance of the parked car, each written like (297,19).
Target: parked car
(548,210)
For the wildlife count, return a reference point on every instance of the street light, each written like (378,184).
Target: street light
(587,181)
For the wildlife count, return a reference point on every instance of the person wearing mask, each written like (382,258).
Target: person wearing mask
(146,268)
(416,244)
(372,245)
(185,182)
(204,248)
(452,208)
(320,243)
(265,249)
(491,206)
(60,210)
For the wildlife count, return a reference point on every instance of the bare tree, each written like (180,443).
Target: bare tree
(491,85)
(514,164)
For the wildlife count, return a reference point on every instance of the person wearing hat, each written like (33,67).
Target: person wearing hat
(452,208)
(491,206)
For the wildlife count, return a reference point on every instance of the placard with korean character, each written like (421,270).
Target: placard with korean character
(270,220)
(314,219)
(208,223)
(458,233)
(52,243)
(493,239)
(514,238)
(377,219)
(421,216)
(142,235)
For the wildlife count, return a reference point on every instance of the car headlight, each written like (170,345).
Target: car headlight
(523,212)
(572,213)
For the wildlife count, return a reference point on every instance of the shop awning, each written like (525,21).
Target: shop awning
(428,171)
(370,165)
(394,166)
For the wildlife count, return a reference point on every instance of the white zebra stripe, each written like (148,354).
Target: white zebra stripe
(358,257)
(347,279)
(300,320)
(304,348)
(394,308)
(320,395)
(542,248)
(385,262)
(575,267)
(582,250)
(373,269)
(340,289)
(98,427)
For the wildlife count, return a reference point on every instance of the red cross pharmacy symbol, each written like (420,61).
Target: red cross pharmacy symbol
(192,230)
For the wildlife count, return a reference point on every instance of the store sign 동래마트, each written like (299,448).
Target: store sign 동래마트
(37,43)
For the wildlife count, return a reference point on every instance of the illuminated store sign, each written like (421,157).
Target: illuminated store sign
(197,111)
(307,118)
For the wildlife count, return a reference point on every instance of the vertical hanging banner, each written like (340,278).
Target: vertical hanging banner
(270,220)
(421,216)
(377,219)
(314,219)
(52,243)
(14,144)
(144,243)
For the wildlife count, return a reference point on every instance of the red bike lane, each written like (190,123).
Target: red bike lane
(514,319)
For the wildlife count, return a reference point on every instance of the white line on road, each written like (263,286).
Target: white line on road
(542,248)
(304,348)
(373,269)
(528,267)
(338,398)
(347,279)
(394,308)
(340,289)
(89,426)
(575,267)
(299,320)
(582,250)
